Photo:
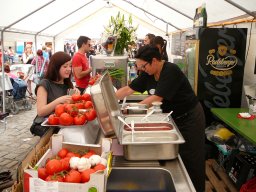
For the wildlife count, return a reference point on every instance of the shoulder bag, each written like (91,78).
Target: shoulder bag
(36,127)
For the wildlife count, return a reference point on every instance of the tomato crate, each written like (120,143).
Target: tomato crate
(97,180)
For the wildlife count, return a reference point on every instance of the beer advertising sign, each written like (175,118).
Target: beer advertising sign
(221,66)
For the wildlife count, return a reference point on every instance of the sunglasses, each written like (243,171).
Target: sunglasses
(142,67)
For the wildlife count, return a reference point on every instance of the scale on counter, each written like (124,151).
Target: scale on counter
(101,63)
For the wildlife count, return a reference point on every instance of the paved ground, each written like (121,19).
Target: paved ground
(16,141)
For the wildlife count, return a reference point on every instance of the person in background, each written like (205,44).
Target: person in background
(166,83)
(7,70)
(91,52)
(45,53)
(27,55)
(11,54)
(5,56)
(72,49)
(1,54)
(161,43)
(148,40)
(52,90)
(80,63)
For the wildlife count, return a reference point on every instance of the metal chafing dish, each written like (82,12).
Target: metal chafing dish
(153,139)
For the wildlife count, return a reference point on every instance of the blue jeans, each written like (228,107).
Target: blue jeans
(10,59)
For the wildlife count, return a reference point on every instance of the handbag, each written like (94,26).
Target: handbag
(36,78)
(38,75)
(36,127)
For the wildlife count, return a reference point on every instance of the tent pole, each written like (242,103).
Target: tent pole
(174,9)
(3,79)
(27,33)
(151,14)
(2,39)
(3,73)
(241,8)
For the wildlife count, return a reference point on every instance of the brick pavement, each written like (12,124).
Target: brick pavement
(16,141)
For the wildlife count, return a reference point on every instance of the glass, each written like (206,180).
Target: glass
(142,67)
(71,91)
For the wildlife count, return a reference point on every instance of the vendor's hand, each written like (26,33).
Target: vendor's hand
(65,99)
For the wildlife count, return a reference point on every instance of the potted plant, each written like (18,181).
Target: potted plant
(122,31)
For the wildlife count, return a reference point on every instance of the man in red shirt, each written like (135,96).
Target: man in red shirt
(80,63)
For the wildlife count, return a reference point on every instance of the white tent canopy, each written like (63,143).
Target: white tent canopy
(69,19)
(59,20)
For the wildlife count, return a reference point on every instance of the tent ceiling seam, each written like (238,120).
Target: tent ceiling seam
(65,16)
(176,10)
(31,13)
(241,8)
(152,14)
(138,18)
(78,22)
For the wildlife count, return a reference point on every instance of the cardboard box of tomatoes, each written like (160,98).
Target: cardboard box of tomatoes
(69,167)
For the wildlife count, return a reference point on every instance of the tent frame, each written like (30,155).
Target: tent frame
(7,28)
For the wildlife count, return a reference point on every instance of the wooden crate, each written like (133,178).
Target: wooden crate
(216,178)
(31,159)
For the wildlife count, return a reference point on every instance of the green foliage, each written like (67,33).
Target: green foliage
(124,31)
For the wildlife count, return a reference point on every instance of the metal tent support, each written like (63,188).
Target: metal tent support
(2,39)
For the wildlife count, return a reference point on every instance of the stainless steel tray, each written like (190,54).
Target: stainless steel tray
(46,124)
(138,145)
(105,103)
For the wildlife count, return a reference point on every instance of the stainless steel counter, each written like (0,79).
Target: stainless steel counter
(179,174)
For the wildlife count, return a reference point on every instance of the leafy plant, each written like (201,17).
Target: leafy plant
(123,30)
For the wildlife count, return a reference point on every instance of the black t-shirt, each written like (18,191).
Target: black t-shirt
(173,86)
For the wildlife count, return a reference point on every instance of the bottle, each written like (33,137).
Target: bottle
(203,17)
(197,17)
(132,73)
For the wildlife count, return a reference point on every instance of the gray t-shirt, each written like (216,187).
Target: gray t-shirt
(54,90)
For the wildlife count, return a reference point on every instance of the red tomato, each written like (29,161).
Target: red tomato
(53,166)
(42,173)
(91,82)
(80,119)
(88,105)
(59,109)
(76,97)
(71,154)
(66,119)
(79,105)
(73,177)
(65,164)
(71,109)
(62,153)
(58,178)
(85,175)
(89,154)
(86,97)
(90,115)
(99,167)
(53,120)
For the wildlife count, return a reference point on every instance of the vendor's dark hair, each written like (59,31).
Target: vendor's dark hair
(81,40)
(158,40)
(56,61)
(147,53)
